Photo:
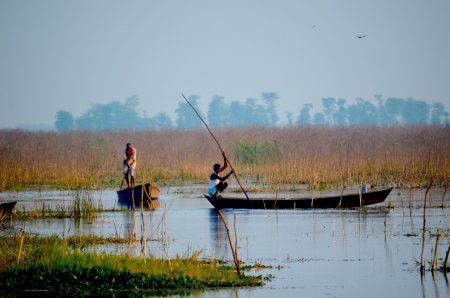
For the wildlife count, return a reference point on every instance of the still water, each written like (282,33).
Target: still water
(371,252)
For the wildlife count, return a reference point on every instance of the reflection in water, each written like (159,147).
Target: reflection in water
(436,285)
(218,232)
(130,217)
(422,284)
(342,253)
(344,230)
(436,288)
(128,203)
(130,224)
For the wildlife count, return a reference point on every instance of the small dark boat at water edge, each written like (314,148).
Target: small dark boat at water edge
(339,201)
(6,208)
(149,193)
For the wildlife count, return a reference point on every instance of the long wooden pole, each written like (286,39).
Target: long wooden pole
(233,248)
(422,258)
(220,147)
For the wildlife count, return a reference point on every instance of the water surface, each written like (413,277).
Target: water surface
(371,252)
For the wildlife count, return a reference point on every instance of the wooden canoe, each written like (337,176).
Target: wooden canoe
(6,208)
(338,201)
(127,195)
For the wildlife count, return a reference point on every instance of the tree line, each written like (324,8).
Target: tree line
(118,115)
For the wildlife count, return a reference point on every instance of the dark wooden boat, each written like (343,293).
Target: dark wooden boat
(6,208)
(344,201)
(149,193)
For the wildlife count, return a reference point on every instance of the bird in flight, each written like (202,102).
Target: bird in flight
(360,36)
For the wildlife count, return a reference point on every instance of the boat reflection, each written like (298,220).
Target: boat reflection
(148,204)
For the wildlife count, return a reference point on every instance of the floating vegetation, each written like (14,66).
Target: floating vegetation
(82,205)
(50,264)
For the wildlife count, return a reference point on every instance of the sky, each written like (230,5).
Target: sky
(66,55)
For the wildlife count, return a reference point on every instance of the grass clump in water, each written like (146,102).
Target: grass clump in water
(46,264)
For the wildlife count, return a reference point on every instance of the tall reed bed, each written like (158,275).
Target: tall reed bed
(405,155)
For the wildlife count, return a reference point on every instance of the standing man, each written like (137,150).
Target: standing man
(218,184)
(129,164)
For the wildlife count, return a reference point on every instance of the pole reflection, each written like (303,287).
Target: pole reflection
(129,221)
(436,287)
(219,236)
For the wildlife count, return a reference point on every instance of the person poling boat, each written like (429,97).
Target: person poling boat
(217,184)
(129,164)
(224,157)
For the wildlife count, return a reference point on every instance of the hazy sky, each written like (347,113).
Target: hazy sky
(65,55)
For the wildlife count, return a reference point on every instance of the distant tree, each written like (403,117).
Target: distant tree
(64,121)
(262,116)
(390,111)
(132,101)
(162,121)
(290,120)
(86,121)
(251,113)
(114,115)
(329,110)
(334,111)
(370,113)
(362,113)
(340,115)
(379,103)
(438,114)
(186,117)
(304,118)
(127,116)
(270,99)
(218,112)
(319,119)
(415,111)
(238,114)
(256,114)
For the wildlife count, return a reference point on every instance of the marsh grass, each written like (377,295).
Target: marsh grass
(256,153)
(316,156)
(47,265)
(82,205)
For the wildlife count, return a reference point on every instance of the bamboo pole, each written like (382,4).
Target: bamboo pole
(424,231)
(434,262)
(143,231)
(220,147)
(236,243)
(443,196)
(133,207)
(233,249)
(20,246)
(446,259)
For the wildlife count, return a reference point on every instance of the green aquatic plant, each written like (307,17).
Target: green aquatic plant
(83,205)
(46,264)
(254,153)
(389,204)
(321,186)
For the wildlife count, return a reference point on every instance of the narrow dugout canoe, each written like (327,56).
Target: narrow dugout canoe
(151,193)
(344,201)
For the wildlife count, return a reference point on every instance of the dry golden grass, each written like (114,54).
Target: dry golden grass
(313,155)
